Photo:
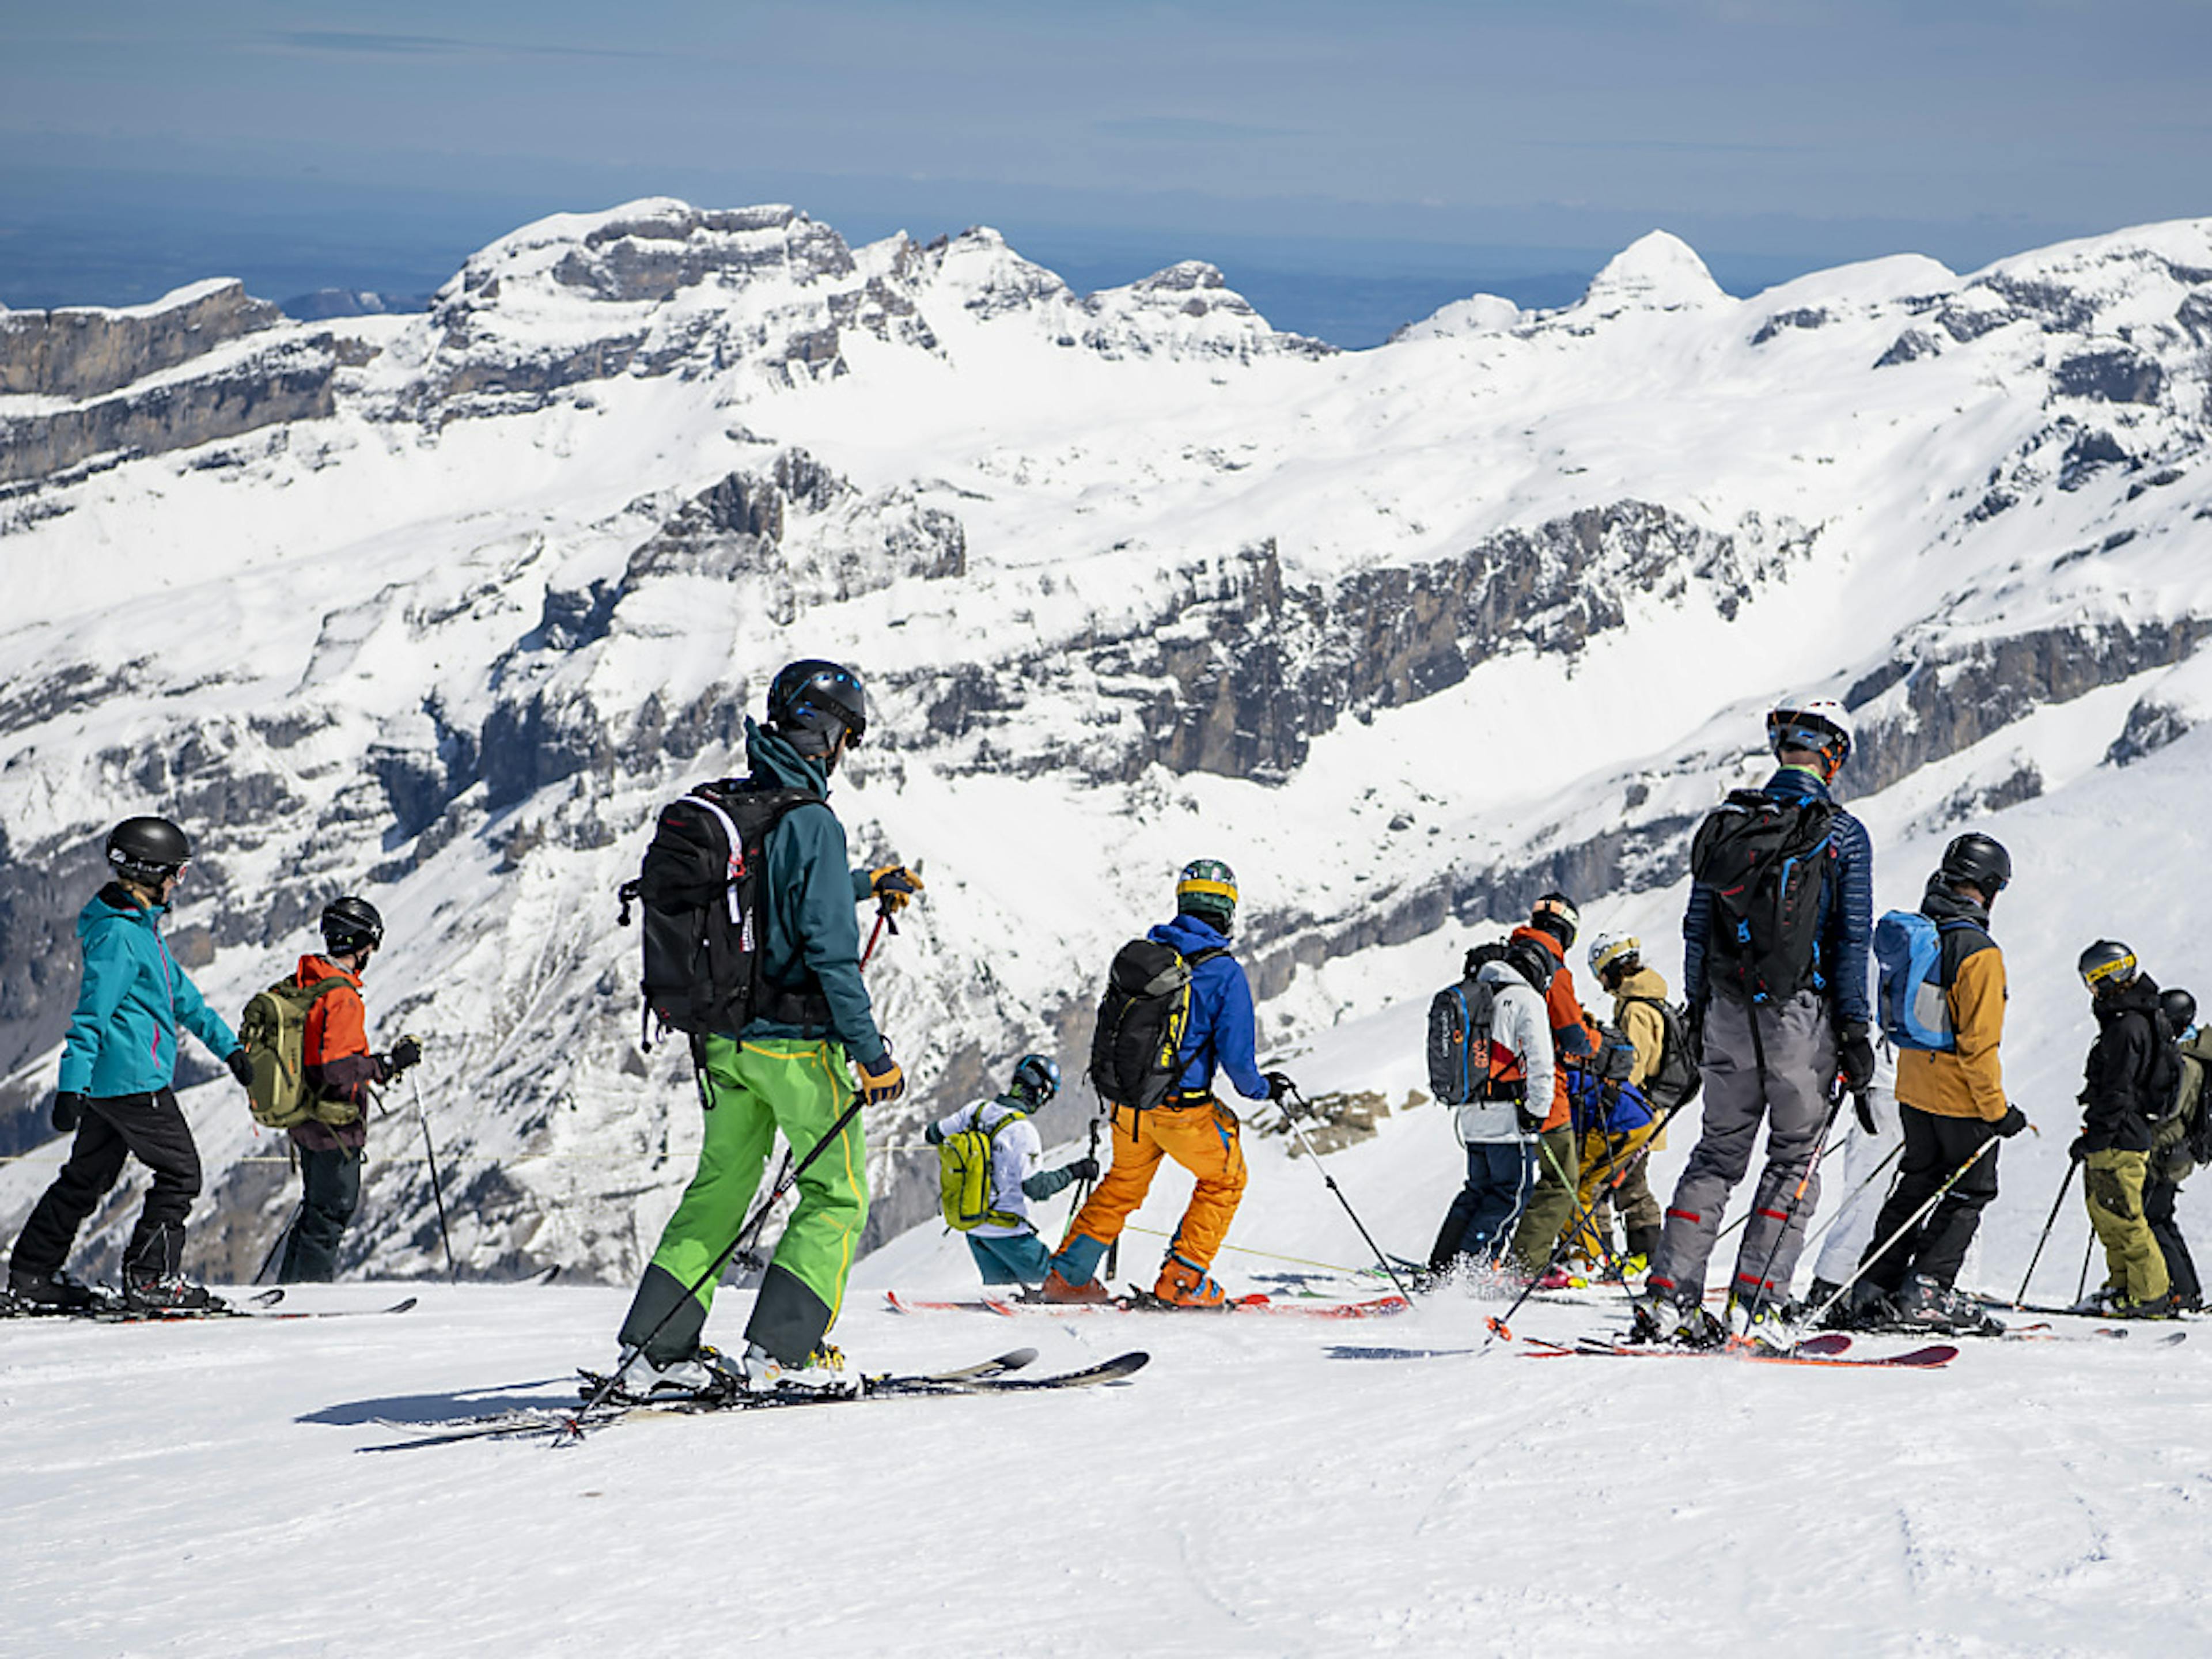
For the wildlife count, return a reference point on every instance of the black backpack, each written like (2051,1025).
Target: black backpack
(1675,1081)
(1764,861)
(1459,1026)
(704,900)
(1141,1021)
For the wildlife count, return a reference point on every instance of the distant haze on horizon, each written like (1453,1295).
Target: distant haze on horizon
(1349,168)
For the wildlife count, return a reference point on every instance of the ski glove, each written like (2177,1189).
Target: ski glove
(882,1083)
(1855,1054)
(934,1135)
(1279,1088)
(1862,1104)
(240,1067)
(894,886)
(1084,1169)
(2079,1149)
(2012,1123)
(69,1107)
(408,1051)
(1694,1033)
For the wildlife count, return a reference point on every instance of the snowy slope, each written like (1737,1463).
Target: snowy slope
(1406,634)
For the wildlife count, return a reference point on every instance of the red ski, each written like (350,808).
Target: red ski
(1379,1307)
(1940,1353)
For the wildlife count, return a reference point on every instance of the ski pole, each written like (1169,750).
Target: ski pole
(1501,1326)
(437,1191)
(2020,1300)
(1383,1261)
(283,1233)
(1844,1209)
(2088,1249)
(1882,1250)
(570,1428)
(1804,1184)
(1585,1217)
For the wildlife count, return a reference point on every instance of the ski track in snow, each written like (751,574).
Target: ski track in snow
(1245,1494)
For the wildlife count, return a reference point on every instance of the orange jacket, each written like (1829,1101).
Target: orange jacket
(338,1063)
(1570,1035)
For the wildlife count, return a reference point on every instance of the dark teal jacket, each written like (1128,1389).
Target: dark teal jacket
(131,1003)
(812,924)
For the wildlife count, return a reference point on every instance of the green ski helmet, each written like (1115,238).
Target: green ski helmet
(1207,890)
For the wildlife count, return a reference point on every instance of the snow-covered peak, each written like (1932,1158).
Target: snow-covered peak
(1478,313)
(1658,271)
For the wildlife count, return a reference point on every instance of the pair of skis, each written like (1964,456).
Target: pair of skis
(113,1309)
(1008,1307)
(1827,1349)
(992,1375)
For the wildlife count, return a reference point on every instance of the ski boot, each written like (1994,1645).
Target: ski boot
(1057,1289)
(2104,1300)
(2156,1307)
(1868,1307)
(1186,1286)
(1768,1325)
(1926,1306)
(168,1293)
(1656,1317)
(34,1292)
(822,1372)
(703,1375)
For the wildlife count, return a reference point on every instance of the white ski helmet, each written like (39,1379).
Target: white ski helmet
(1609,948)
(1820,724)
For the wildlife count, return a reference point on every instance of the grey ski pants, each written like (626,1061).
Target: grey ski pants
(1799,1047)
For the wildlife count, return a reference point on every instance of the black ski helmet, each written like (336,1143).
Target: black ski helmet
(1556,915)
(2106,964)
(1532,962)
(350,923)
(1036,1079)
(2180,1008)
(1976,860)
(148,849)
(812,702)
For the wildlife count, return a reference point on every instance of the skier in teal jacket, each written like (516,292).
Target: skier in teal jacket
(119,1061)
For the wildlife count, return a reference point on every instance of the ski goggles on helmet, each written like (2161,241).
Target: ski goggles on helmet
(2111,970)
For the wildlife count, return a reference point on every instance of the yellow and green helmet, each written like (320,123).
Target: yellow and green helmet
(1207,890)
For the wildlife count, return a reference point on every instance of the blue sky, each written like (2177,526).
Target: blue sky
(1386,142)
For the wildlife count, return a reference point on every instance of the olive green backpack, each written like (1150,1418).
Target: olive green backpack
(274,1032)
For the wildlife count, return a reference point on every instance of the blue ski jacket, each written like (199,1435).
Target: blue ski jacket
(1220,1033)
(131,1004)
(1844,934)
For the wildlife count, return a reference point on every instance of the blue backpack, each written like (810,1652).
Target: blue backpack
(1911,1003)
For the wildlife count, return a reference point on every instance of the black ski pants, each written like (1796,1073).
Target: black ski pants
(1934,1147)
(152,1129)
(332,1192)
(2157,1210)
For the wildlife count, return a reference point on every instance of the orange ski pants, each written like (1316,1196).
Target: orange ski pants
(1205,1138)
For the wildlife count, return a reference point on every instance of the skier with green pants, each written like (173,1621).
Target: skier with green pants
(787,1070)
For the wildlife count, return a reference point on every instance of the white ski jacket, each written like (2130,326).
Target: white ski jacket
(1016,1152)
(1520,1026)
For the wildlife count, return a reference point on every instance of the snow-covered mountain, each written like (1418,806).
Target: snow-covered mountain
(440,607)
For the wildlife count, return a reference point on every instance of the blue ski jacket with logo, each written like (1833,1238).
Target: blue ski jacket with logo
(1220,1033)
(132,1003)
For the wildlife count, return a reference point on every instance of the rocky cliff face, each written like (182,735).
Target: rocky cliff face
(1409,635)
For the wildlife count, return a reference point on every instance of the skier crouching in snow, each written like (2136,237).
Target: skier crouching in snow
(1191,1125)
(1778,996)
(119,1061)
(340,1071)
(2130,1076)
(786,1070)
(1005,1244)
(1507,1015)
(1950,1102)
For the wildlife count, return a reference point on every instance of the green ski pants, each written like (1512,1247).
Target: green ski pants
(1553,1204)
(2112,1182)
(754,1088)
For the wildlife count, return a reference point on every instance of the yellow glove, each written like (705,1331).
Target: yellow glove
(882,1083)
(893,886)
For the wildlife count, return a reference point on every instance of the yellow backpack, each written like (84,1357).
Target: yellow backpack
(965,1187)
